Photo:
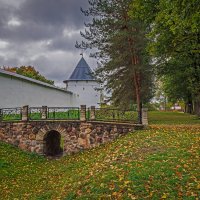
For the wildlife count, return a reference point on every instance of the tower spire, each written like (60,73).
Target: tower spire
(82,72)
(81,53)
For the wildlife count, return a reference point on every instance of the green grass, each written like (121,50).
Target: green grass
(12,117)
(71,114)
(172,118)
(159,163)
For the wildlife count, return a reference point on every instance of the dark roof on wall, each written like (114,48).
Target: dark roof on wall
(18,76)
(82,72)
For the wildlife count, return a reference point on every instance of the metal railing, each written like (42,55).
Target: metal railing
(63,113)
(69,113)
(35,113)
(10,114)
(107,114)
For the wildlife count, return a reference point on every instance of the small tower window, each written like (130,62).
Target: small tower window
(83,88)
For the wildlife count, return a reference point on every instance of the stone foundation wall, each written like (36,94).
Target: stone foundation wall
(76,135)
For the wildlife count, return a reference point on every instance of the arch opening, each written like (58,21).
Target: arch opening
(52,144)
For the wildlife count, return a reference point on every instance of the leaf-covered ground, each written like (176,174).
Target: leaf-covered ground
(162,162)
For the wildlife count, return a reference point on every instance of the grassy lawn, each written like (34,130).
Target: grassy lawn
(162,162)
(172,118)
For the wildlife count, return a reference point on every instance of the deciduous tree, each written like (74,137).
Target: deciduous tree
(174,45)
(30,72)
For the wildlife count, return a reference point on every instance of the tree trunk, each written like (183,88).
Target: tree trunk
(135,61)
(137,82)
(189,107)
(197,106)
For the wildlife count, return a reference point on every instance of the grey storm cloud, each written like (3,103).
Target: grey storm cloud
(41,19)
(5,15)
(42,33)
(8,62)
(65,42)
(53,12)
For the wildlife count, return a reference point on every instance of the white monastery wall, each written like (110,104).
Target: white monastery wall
(15,92)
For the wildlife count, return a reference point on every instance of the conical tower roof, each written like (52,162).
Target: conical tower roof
(82,72)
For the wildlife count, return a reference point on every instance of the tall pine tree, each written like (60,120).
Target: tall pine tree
(120,43)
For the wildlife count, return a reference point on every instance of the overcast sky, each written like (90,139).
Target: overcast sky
(42,33)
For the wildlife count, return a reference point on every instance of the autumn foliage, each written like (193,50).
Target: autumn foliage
(30,72)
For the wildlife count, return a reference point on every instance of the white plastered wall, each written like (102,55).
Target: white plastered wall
(85,91)
(15,92)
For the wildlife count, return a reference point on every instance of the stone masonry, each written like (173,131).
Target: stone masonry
(74,135)
(29,136)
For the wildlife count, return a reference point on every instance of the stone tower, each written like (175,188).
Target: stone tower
(84,85)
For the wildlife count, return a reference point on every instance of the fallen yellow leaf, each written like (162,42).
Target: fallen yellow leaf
(164,196)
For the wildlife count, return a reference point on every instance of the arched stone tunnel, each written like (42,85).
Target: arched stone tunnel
(54,138)
(52,143)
